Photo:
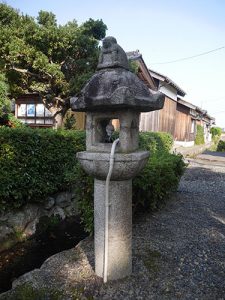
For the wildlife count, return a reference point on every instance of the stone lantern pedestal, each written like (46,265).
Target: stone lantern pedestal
(126,167)
(113,93)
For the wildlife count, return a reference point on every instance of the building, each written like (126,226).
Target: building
(178,116)
(30,110)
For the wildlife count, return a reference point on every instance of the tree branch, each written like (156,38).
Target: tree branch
(25,71)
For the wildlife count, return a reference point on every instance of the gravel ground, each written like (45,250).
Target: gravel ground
(178,253)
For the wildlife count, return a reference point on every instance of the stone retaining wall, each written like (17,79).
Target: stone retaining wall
(20,224)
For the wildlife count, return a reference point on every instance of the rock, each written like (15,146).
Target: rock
(72,210)
(63,199)
(19,220)
(5,231)
(31,227)
(50,201)
(3,218)
(57,211)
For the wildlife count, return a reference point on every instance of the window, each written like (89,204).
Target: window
(34,113)
(22,110)
(40,110)
(30,110)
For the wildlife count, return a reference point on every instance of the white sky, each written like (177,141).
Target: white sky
(162,30)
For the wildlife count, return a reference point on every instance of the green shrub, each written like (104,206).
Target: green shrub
(221,146)
(10,120)
(216,134)
(151,188)
(216,131)
(85,195)
(158,180)
(155,141)
(35,163)
(70,121)
(199,139)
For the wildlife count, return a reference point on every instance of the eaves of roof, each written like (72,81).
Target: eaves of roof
(167,80)
(146,76)
(199,110)
(186,103)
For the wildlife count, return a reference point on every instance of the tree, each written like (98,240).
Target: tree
(4,100)
(38,55)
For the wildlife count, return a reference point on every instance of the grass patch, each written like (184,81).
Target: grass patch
(152,261)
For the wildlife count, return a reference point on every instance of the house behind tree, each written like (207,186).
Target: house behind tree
(178,116)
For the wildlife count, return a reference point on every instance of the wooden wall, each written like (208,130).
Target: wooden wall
(149,121)
(80,120)
(183,124)
(167,116)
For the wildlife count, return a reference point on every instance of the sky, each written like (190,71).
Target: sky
(163,31)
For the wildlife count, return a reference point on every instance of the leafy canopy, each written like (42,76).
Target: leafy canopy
(38,55)
(4,100)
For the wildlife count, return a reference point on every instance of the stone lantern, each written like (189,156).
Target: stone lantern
(113,93)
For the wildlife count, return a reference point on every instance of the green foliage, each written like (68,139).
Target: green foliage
(85,194)
(151,188)
(27,292)
(4,100)
(11,121)
(199,139)
(151,260)
(221,146)
(94,28)
(158,180)
(36,163)
(216,134)
(133,66)
(38,55)
(70,121)
(216,131)
(156,141)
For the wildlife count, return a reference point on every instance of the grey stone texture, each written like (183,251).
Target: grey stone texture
(128,131)
(117,87)
(120,228)
(112,55)
(126,166)
(21,223)
(63,199)
(114,87)
(50,202)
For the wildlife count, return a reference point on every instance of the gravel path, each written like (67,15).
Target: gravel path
(178,253)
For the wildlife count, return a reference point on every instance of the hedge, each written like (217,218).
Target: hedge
(36,163)
(199,139)
(153,186)
(221,146)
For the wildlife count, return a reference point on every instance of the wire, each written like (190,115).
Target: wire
(189,57)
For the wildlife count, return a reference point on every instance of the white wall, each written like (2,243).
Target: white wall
(168,90)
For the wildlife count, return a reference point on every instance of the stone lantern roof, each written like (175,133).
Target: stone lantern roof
(114,87)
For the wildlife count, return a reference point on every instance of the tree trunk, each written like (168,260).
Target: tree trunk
(58,121)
